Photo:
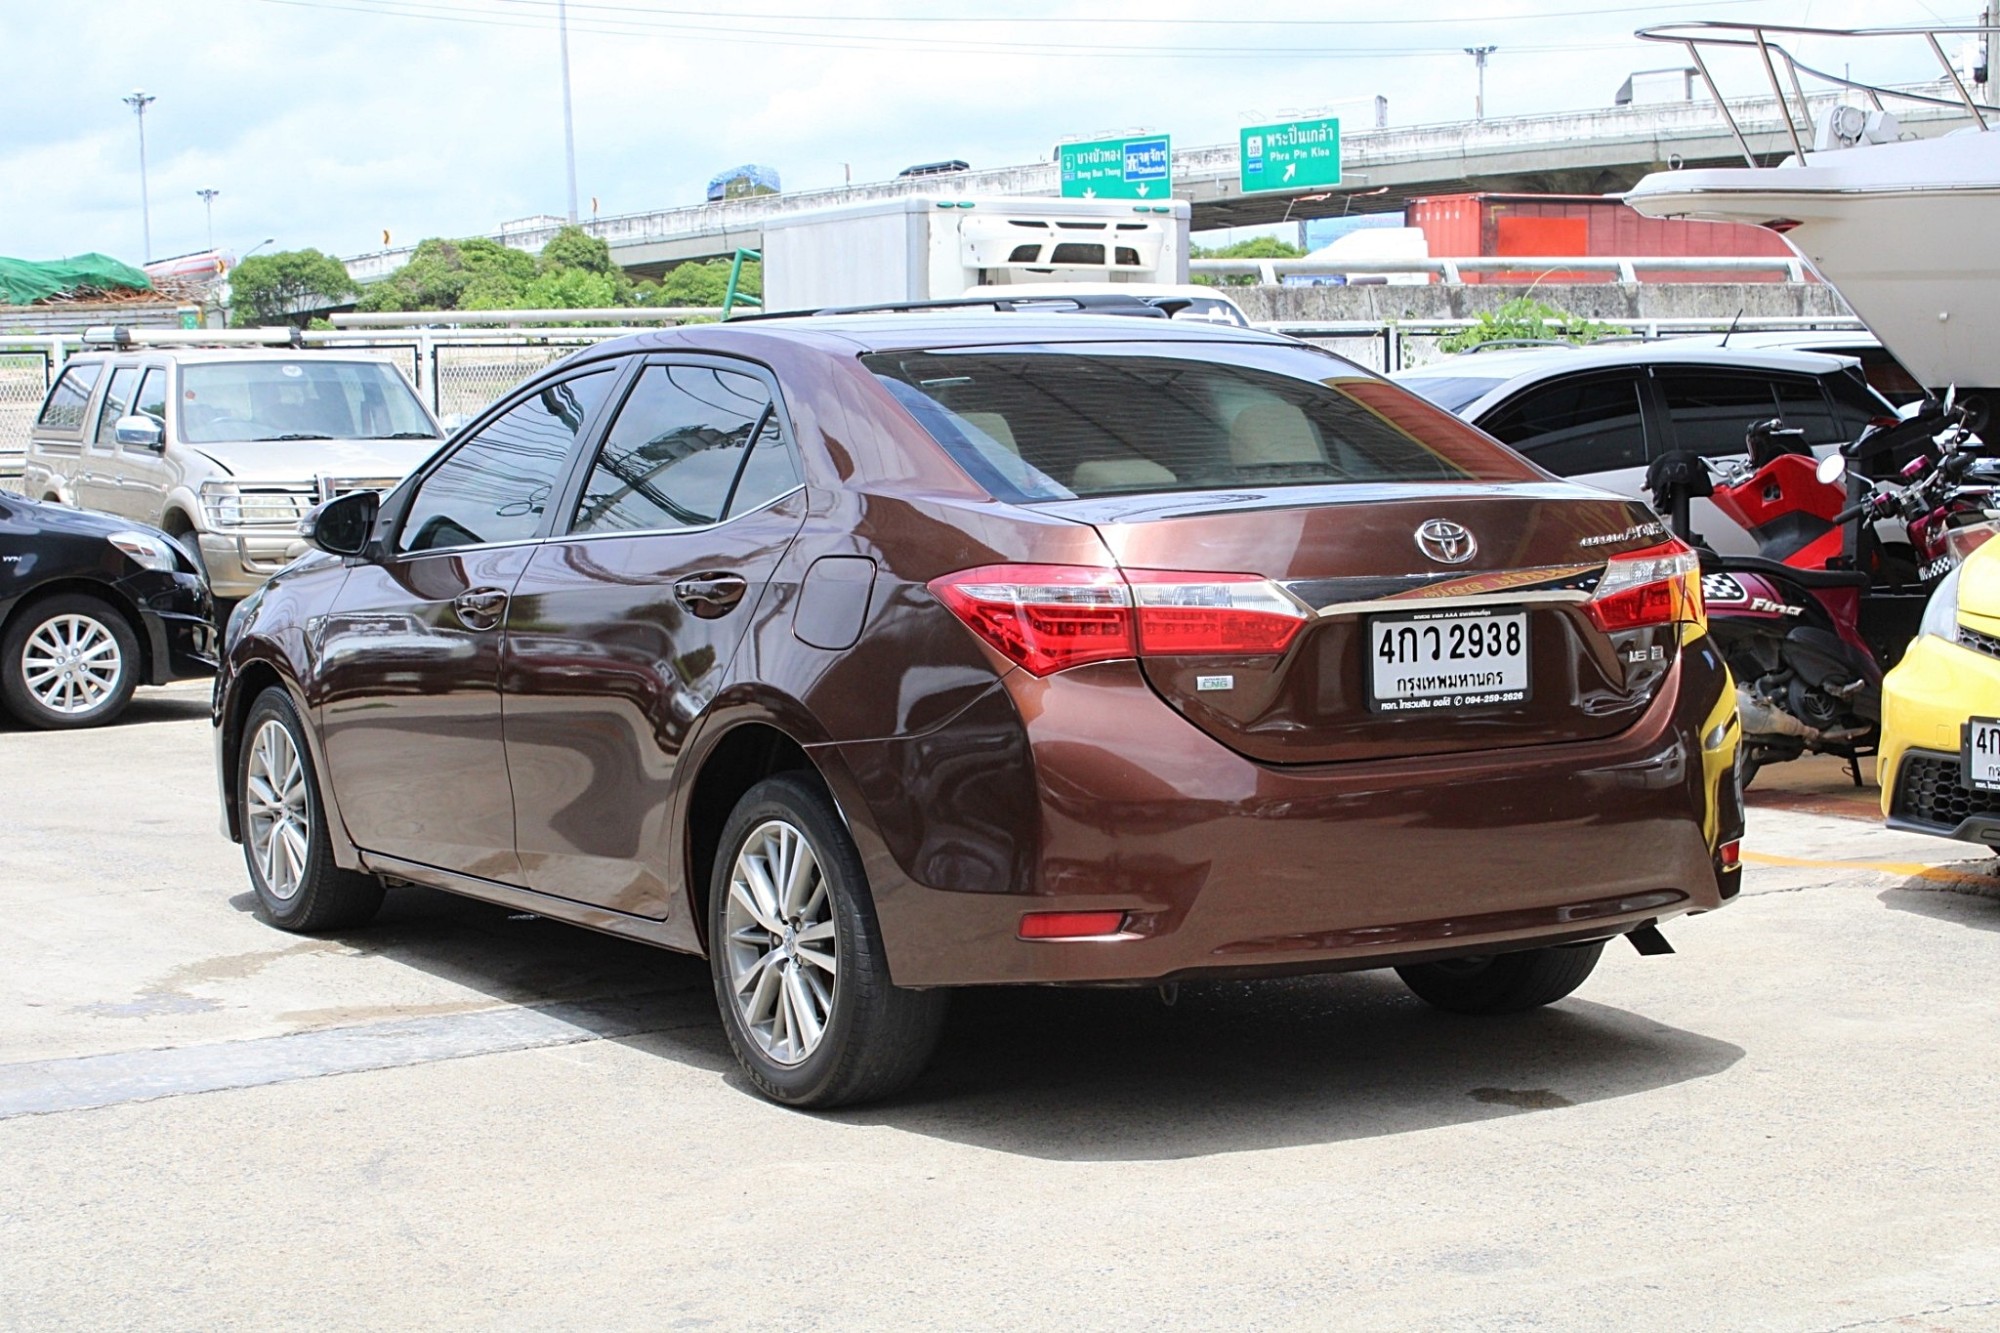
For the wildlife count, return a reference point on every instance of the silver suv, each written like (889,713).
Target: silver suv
(226,450)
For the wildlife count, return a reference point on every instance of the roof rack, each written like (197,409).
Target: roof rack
(125,336)
(1100,303)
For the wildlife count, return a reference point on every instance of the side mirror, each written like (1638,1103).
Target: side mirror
(343,526)
(1831,469)
(139,432)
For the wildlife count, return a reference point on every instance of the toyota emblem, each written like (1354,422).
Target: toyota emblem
(1446,542)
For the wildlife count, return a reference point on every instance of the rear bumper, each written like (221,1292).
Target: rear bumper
(1225,866)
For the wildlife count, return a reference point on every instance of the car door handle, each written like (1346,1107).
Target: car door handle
(711,595)
(480,608)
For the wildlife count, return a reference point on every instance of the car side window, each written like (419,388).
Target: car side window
(1712,410)
(117,403)
(69,397)
(684,446)
(497,484)
(151,400)
(1576,426)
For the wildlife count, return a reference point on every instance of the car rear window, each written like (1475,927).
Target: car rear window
(1063,422)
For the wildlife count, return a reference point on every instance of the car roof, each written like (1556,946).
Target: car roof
(1534,362)
(925,329)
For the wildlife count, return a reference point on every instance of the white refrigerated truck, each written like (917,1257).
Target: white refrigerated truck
(935,248)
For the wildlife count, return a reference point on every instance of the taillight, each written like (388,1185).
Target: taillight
(1051,617)
(1660,585)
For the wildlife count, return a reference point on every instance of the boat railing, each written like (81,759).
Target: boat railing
(1763,39)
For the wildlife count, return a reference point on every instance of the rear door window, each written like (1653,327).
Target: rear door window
(1060,422)
(64,407)
(1578,425)
(1710,411)
(690,446)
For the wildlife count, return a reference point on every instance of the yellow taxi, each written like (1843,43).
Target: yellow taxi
(1939,761)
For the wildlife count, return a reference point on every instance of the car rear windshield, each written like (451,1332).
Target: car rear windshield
(1057,423)
(230,401)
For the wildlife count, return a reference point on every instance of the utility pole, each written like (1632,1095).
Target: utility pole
(1479,54)
(569,126)
(208,210)
(139,101)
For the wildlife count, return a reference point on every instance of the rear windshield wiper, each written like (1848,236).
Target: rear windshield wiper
(296,435)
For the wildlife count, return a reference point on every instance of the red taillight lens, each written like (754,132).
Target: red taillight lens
(1051,617)
(1207,614)
(1045,617)
(1660,585)
(1729,855)
(1071,925)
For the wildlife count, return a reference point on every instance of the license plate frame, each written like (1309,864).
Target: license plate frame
(1507,692)
(1970,761)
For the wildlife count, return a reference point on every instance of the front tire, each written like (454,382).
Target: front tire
(68,661)
(285,842)
(1503,983)
(800,974)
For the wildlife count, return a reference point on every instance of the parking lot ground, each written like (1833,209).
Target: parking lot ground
(461,1117)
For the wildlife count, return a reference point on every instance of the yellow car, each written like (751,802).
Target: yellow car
(1939,761)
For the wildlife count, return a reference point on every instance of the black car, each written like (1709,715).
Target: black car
(90,608)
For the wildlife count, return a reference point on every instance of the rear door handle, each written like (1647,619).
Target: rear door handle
(711,595)
(480,608)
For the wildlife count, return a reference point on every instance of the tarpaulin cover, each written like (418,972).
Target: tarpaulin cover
(24,281)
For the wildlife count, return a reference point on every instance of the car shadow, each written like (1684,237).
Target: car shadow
(147,706)
(1103,1075)
(1966,894)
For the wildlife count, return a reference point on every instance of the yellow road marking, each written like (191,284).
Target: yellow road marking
(1908,869)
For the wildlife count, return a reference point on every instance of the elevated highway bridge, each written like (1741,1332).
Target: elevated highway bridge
(1578,152)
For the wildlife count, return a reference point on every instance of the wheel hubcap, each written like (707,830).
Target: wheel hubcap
(71,664)
(781,948)
(277,820)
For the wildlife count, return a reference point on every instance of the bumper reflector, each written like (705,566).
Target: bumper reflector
(1070,925)
(1728,855)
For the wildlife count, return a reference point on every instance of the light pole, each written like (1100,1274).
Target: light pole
(208,210)
(139,101)
(1479,54)
(569,127)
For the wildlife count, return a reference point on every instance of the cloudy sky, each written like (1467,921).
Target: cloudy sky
(325,122)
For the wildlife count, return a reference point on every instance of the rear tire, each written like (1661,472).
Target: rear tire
(1503,983)
(800,973)
(286,847)
(68,661)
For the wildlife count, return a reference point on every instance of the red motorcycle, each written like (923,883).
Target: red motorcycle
(1811,622)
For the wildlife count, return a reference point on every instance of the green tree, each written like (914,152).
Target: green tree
(703,283)
(574,250)
(1525,319)
(288,287)
(1257,247)
(469,274)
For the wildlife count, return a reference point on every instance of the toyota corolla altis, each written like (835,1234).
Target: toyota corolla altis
(877,655)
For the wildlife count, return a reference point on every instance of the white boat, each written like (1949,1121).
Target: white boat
(1902,227)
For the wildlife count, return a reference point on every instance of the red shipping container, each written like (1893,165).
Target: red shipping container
(1458,226)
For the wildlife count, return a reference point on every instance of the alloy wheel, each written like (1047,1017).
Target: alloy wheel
(278,820)
(781,942)
(71,664)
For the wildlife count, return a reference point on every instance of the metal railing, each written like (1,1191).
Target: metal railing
(1797,110)
(1625,268)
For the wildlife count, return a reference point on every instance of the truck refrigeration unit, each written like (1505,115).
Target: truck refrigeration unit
(934,249)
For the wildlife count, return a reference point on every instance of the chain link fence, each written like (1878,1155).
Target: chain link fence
(466,377)
(24,379)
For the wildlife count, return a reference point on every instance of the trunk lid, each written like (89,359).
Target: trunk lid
(1352,555)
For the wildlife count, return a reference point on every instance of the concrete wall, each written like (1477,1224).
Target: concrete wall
(75,316)
(1594,300)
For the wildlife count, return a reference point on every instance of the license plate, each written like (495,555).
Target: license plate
(1465,659)
(1982,754)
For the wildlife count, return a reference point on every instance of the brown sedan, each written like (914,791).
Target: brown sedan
(877,655)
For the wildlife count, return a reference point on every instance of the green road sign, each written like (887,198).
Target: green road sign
(1294,155)
(1119,169)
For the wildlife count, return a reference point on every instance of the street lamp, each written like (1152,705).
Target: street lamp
(208,209)
(1479,54)
(139,101)
(569,126)
(255,248)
